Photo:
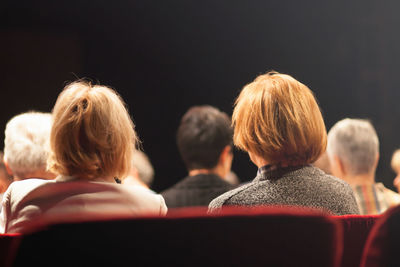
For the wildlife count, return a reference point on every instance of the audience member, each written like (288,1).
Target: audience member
(91,144)
(395,164)
(26,145)
(5,178)
(204,141)
(353,150)
(141,173)
(278,122)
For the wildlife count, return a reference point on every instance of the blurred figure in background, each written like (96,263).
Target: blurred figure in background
(232,178)
(91,144)
(353,150)
(204,141)
(142,172)
(26,145)
(395,164)
(277,121)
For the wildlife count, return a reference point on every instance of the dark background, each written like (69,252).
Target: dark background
(165,56)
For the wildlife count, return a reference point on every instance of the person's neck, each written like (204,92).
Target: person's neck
(360,179)
(215,171)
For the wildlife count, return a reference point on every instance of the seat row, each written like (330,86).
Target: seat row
(262,236)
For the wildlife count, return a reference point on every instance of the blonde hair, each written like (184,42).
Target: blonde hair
(395,162)
(92,134)
(277,118)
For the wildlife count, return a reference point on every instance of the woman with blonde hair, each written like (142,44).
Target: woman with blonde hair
(91,144)
(277,121)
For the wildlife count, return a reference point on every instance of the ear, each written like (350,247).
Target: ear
(226,154)
(377,160)
(225,160)
(9,171)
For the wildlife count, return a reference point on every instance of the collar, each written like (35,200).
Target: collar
(266,168)
(274,172)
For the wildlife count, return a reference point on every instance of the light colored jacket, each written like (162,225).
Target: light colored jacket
(41,202)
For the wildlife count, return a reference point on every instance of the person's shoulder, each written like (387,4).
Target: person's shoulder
(223,199)
(393,196)
(329,178)
(146,198)
(27,184)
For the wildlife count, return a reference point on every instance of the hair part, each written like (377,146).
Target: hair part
(26,143)
(203,133)
(93,135)
(355,143)
(277,118)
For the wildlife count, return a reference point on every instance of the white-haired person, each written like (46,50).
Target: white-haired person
(277,121)
(91,144)
(353,150)
(26,145)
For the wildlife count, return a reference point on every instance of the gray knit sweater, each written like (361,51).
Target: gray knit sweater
(297,186)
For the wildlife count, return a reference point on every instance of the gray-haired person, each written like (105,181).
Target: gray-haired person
(353,150)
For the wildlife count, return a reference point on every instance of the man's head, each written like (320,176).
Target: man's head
(203,135)
(353,148)
(26,145)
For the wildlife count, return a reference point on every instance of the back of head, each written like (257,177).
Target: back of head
(26,143)
(92,134)
(356,144)
(143,167)
(278,119)
(203,133)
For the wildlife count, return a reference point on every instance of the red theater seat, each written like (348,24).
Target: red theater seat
(8,248)
(382,246)
(189,237)
(355,232)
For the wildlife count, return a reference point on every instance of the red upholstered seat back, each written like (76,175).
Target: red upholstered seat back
(356,229)
(383,244)
(8,248)
(190,237)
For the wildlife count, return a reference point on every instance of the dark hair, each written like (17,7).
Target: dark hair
(203,133)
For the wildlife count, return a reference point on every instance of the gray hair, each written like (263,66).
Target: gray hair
(355,142)
(143,166)
(26,143)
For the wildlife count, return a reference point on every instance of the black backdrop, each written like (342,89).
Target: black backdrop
(165,56)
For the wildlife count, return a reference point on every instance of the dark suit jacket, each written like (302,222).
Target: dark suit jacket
(196,190)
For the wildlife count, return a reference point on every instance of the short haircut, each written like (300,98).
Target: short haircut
(355,142)
(93,135)
(26,143)
(143,166)
(278,119)
(395,162)
(203,133)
